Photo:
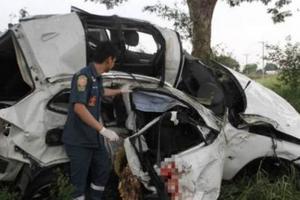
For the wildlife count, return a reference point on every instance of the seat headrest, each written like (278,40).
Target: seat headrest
(131,38)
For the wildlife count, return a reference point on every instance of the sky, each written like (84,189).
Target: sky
(239,30)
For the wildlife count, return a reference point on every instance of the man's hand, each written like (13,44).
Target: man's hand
(126,89)
(113,92)
(109,134)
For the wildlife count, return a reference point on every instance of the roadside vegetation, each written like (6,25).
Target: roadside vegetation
(61,189)
(264,186)
(6,194)
(291,94)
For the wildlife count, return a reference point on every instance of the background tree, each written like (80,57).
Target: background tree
(259,72)
(250,69)
(271,67)
(288,60)
(228,61)
(197,22)
(109,3)
(222,56)
(23,13)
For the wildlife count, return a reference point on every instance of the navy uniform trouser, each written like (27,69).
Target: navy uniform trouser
(93,162)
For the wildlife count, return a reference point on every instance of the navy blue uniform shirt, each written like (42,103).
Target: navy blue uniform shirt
(86,88)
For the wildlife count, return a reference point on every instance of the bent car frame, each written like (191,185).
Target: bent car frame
(186,126)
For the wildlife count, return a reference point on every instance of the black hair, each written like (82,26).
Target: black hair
(103,51)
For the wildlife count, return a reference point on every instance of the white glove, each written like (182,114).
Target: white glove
(125,89)
(109,134)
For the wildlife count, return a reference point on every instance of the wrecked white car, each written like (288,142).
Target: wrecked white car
(186,126)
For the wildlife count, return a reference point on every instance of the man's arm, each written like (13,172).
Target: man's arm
(111,92)
(86,116)
(79,98)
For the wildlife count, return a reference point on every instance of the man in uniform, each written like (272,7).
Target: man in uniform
(84,133)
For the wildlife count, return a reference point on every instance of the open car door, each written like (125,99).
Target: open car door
(53,45)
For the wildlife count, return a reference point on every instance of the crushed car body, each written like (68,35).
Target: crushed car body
(185,125)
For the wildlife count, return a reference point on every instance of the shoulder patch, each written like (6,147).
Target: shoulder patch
(81,83)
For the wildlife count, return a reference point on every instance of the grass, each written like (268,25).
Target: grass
(61,189)
(263,186)
(6,194)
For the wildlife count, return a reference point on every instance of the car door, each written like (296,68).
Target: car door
(53,45)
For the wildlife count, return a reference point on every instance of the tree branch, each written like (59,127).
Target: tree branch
(278,15)
(109,3)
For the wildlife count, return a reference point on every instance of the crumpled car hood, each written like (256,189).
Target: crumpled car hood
(263,102)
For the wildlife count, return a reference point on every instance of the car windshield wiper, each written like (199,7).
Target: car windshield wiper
(248,83)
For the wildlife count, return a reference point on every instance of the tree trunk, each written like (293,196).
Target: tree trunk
(201,13)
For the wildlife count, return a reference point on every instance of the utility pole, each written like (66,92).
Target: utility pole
(246,61)
(263,58)
(246,58)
